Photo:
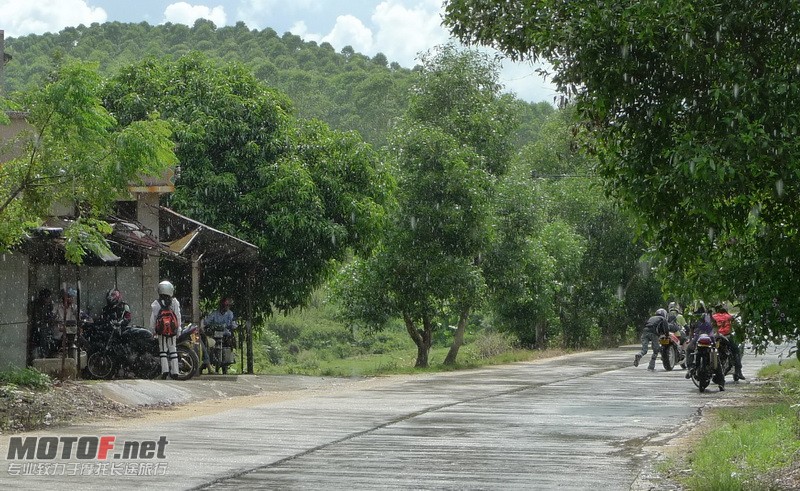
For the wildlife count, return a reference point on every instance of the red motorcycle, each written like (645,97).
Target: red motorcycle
(672,352)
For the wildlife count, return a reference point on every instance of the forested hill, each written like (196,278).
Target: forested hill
(347,90)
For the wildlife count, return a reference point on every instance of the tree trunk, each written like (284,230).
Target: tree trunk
(421,338)
(458,339)
(541,334)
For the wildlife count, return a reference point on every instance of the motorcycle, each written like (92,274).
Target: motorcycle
(220,343)
(133,351)
(672,352)
(712,362)
(189,338)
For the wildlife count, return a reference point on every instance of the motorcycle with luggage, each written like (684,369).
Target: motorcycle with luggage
(133,351)
(220,341)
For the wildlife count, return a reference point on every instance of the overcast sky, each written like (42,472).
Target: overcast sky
(400,29)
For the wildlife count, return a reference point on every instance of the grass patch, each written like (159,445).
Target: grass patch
(25,377)
(750,446)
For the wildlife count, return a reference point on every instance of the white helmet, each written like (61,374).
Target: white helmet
(166,288)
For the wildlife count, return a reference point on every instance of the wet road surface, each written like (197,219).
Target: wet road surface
(575,422)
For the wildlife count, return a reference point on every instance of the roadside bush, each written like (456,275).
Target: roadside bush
(273,347)
(25,377)
(491,343)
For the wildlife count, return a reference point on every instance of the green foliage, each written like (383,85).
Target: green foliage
(451,145)
(346,90)
(751,445)
(75,151)
(304,194)
(691,109)
(25,377)
(564,263)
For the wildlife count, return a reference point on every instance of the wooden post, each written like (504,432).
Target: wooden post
(196,315)
(249,297)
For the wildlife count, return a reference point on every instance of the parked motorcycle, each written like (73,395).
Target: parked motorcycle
(133,351)
(672,352)
(189,338)
(221,343)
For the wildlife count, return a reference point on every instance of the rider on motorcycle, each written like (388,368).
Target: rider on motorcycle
(222,316)
(116,311)
(677,321)
(702,325)
(724,321)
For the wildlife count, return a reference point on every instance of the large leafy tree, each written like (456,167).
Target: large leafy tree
(451,147)
(692,106)
(301,192)
(72,150)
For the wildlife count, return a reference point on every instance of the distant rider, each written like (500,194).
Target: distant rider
(223,316)
(724,322)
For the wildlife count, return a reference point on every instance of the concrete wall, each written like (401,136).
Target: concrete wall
(147,213)
(94,283)
(14,306)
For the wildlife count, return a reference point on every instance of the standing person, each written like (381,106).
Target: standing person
(222,316)
(650,337)
(65,314)
(165,322)
(116,310)
(43,323)
(724,322)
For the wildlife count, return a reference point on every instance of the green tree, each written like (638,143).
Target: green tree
(691,107)
(450,149)
(301,192)
(74,150)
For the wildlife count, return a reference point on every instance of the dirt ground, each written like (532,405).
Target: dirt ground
(23,409)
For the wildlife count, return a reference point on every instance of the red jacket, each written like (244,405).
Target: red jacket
(723,320)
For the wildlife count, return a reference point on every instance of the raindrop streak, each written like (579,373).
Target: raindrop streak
(779,187)
(413,223)
(735,91)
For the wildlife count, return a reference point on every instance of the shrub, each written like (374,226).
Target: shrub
(491,343)
(25,377)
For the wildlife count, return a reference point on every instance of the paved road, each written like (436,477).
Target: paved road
(574,422)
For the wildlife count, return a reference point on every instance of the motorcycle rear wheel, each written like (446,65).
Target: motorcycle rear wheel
(101,365)
(669,356)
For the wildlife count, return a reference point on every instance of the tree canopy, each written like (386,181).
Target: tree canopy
(692,110)
(450,148)
(301,192)
(73,150)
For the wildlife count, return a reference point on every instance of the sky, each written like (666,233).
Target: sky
(400,29)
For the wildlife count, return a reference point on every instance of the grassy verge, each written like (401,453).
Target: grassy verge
(25,377)
(753,447)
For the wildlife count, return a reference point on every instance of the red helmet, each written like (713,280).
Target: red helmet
(114,296)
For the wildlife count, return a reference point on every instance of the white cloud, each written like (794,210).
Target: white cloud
(184,13)
(403,32)
(21,18)
(349,30)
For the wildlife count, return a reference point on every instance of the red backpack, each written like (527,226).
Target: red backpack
(166,321)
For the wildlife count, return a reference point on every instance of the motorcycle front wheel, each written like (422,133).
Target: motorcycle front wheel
(100,365)
(188,363)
